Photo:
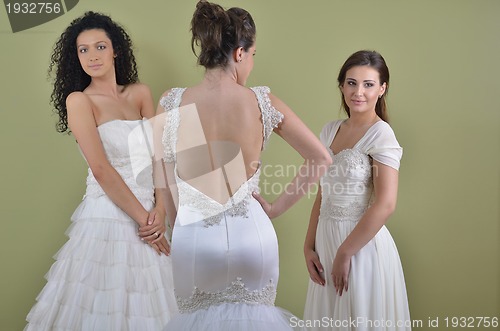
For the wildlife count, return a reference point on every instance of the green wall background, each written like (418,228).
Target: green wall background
(443,102)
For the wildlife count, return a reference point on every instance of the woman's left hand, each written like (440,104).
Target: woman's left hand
(340,273)
(155,228)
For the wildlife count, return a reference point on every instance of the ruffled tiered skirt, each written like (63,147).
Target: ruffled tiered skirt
(105,278)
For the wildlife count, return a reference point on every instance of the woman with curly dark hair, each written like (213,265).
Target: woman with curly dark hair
(108,275)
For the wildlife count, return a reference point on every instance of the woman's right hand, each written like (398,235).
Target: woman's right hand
(314,266)
(268,207)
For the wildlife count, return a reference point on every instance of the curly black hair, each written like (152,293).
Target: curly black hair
(69,74)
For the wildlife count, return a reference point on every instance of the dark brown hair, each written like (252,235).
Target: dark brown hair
(218,32)
(375,61)
(67,70)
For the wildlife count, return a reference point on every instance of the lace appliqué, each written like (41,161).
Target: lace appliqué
(171,103)
(348,177)
(351,212)
(172,99)
(235,293)
(353,158)
(169,137)
(271,117)
(213,211)
(349,160)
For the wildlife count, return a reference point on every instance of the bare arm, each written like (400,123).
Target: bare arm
(316,159)
(164,191)
(83,126)
(385,182)
(312,260)
(155,229)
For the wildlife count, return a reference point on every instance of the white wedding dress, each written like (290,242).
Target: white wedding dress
(105,278)
(225,256)
(376,299)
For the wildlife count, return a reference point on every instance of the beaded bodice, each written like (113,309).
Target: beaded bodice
(347,186)
(128,156)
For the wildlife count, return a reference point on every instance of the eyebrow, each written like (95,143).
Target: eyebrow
(97,42)
(366,80)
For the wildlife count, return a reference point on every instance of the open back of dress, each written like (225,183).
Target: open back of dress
(224,247)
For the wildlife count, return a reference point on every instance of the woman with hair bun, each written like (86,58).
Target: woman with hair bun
(224,247)
(105,277)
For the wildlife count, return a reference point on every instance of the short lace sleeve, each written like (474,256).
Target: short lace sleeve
(381,144)
(271,117)
(171,103)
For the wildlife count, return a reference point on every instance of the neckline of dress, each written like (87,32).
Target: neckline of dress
(355,145)
(118,120)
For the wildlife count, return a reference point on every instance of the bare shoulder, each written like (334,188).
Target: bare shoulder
(139,91)
(78,104)
(77,100)
(139,88)
(80,111)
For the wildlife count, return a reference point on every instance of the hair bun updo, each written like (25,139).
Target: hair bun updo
(218,32)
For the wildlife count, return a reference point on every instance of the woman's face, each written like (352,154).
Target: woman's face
(95,52)
(362,89)
(245,67)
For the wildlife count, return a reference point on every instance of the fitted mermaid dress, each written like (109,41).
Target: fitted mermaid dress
(105,278)
(224,255)
(376,299)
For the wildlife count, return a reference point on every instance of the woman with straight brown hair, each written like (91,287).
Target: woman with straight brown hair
(356,277)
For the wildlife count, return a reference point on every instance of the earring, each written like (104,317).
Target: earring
(380,96)
(239,60)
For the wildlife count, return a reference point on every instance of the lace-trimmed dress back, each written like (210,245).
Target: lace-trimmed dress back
(376,299)
(225,255)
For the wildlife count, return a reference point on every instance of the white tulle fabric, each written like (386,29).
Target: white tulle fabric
(376,299)
(105,278)
(225,256)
